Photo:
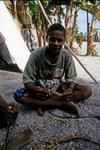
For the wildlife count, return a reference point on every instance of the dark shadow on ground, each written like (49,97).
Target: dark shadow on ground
(10,67)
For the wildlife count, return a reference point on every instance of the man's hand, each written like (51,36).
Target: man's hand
(11,114)
(68,93)
(43,91)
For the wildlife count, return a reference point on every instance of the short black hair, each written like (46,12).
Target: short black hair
(56,26)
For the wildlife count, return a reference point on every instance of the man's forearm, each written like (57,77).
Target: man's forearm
(32,87)
(3,103)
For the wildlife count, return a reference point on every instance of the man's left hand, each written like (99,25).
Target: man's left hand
(67,93)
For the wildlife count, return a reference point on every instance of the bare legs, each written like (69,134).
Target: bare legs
(80,93)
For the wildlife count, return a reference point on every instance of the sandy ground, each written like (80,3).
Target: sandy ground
(92,65)
(50,131)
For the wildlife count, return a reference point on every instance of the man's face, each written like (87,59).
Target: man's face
(55,42)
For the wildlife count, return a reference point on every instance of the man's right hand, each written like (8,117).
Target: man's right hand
(42,91)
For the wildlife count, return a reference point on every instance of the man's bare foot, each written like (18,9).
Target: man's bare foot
(40,111)
(73,108)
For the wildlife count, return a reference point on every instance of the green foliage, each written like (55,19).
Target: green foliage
(58,2)
(92,1)
(76,2)
(86,4)
(33,9)
(79,37)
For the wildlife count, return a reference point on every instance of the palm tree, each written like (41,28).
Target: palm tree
(68,22)
(18,10)
(22,9)
(74,27)
(90,40)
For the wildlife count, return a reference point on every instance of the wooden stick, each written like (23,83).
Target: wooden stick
(44,12)
(8,128)
(80,63)
(6,138)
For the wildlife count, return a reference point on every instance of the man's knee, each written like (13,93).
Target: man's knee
(20,100)
(87,91)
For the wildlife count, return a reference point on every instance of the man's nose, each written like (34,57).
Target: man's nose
(56,42)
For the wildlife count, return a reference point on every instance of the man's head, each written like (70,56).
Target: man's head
(55,38)
(55,27)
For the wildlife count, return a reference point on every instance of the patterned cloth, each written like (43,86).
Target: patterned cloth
(20,93)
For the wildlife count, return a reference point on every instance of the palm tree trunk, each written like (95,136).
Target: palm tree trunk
(74,26)
(91,46)
(68,23)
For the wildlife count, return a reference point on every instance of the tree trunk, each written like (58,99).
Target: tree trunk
(58,13)
(18,10)
(68,23)
(39,31)
(90,41)
(74,26)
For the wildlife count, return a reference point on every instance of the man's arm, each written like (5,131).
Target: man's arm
(37,89)
(9,109)
(70,74)
(3,103)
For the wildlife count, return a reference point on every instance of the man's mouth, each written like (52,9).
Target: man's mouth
(54,48)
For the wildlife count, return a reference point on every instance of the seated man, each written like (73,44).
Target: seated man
(8,113)
(44,73)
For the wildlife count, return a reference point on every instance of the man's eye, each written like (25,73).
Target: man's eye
(59,40)
(53,40)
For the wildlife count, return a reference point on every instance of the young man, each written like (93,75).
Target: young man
(8,113)
(43,75)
